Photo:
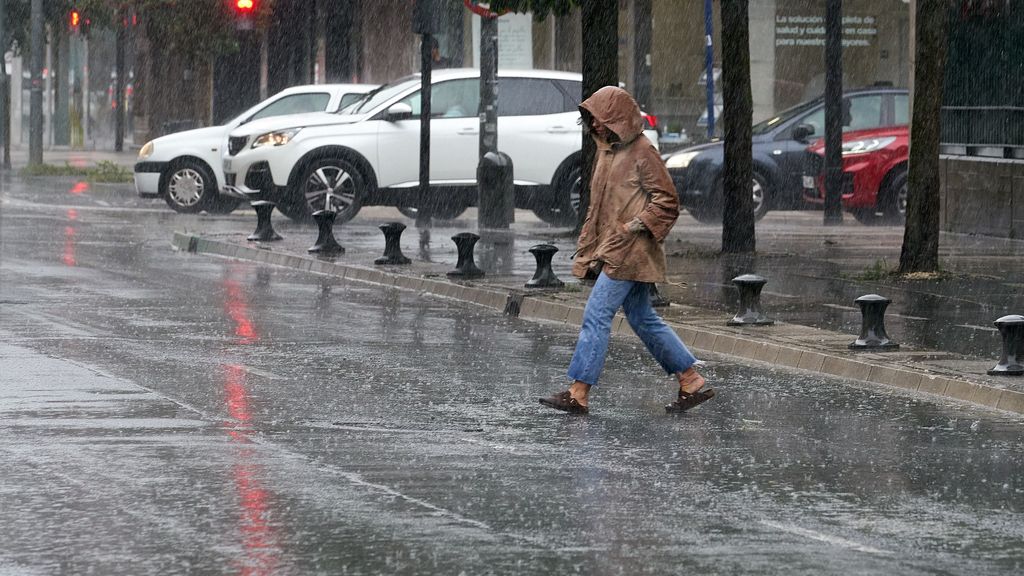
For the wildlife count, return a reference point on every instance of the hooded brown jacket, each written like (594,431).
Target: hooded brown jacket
(629,181)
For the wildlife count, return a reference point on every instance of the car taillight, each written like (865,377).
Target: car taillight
(651,120)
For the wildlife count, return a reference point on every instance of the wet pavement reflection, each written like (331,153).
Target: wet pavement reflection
(173,414)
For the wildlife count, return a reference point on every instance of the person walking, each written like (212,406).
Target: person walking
(633,206)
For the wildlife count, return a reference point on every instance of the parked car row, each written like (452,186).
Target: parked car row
(788,153)
(184,168)
(367,152)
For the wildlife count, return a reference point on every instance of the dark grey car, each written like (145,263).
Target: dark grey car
(778,147)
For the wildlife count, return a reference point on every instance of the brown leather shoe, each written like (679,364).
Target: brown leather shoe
(565,402)
(686,400)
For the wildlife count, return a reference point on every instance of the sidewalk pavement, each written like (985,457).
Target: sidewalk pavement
(59,156)
(814,272)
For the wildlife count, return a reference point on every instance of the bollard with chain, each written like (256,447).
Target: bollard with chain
(544,276)
(466,266)
(264,229)
(326,244)
(392,244)
(750,314)
(872,331)
(1011,363)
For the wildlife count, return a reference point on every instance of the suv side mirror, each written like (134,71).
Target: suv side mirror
(801,132)
(398,111)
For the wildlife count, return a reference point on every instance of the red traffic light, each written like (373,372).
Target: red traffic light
(245,5)
(75,19)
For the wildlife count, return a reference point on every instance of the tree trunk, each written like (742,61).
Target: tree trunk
(600,38)
(738,203)
(920,252)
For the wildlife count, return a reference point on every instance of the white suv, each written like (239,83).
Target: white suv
(369,154)
(185,167)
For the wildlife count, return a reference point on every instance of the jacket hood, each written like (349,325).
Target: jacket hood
(616,109)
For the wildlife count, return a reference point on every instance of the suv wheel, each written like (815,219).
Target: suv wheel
(564,206)
(189,187)
(335,176)
(892,202)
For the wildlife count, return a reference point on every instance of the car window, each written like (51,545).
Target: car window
(295,104)
(452,99)
(572,92)
(864,112)
(902,111)
(529,97)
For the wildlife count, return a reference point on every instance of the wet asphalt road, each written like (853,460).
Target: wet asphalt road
(163,413)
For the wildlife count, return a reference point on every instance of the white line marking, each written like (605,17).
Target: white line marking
(829,539)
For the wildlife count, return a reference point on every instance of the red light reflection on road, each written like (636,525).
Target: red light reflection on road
(258,539)
(237,309)
(68,257)
(79,188)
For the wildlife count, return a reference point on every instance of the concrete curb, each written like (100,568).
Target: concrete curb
(733,342)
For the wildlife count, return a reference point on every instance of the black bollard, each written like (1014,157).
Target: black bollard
(326,244)
(872,331)
(466,266)
(264,230)
(392,244)
(657,300)
(750,313)
(1011,328)
(544,277)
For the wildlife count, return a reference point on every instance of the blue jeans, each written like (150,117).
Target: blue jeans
(605,299)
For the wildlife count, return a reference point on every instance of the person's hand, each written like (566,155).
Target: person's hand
(634,226)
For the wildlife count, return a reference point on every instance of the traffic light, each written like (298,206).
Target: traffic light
(75,21)
(244,11)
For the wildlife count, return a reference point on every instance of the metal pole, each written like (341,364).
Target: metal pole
(833,111)
(709,66)
(35,134)
(121,77)
(423,212)
(4,107)
(488,85)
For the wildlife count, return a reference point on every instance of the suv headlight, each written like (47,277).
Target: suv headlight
(279,138)
(867,145)
(146,151)
(681,160)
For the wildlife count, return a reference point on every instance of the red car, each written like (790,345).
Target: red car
(874,174)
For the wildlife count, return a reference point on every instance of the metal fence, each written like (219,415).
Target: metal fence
(983,111)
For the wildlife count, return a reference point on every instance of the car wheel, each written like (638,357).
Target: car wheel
(447,212)
(710,212)
(762,200)
(563,209)
(189,187)
(892,203)
(335,176)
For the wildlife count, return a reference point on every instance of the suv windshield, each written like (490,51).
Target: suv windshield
(382,94)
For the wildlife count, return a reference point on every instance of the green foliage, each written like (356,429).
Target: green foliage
(104,171)
(193,28)
(880,270)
